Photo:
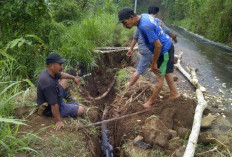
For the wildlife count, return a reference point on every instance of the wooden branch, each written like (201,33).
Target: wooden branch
(211,150)
(107,91)
(113,119)
(194,80)
(201,105)
(180,68)
(191,78)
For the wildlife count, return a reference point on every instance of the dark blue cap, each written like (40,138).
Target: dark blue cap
(54,58)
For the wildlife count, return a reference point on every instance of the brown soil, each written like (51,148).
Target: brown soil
(166,114)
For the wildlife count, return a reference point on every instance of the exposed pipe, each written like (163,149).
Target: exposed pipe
(107,148)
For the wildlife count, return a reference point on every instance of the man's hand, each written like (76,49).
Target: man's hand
(76,80)
(59,125)
(174,39)
(129,53)
(155,69)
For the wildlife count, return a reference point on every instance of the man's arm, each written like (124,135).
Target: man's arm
(68,76)
(134,41)
(130,51)
(56,114)
(167,30)
(157,50)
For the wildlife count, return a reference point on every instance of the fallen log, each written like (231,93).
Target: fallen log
(193,138)
(113,119)
(192,79)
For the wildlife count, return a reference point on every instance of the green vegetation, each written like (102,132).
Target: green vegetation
(29,30)
(55,146)
(211,19)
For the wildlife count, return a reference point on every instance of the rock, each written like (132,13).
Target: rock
(153,128)
(204,138)
(172,133)
(174,143)
(183,132)
(208,120)
(138,139)
(161,140)
(179,152)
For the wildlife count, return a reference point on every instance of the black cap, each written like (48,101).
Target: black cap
(125,13)
(54,58)
(153,9)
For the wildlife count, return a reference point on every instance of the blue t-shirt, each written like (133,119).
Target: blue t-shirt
(151,31)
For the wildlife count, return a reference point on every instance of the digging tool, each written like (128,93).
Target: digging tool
(114,119)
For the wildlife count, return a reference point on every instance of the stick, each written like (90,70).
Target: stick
(113,119)
(211,150)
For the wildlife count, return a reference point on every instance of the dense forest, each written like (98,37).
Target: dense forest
(211,19)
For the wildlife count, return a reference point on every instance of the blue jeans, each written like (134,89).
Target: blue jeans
(67,109)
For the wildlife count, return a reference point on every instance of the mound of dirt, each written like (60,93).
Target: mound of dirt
(167,119)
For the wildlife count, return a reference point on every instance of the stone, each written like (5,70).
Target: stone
(172,133)
(161,140)
(204,138)
(208,120)
(138,139)
(183,132)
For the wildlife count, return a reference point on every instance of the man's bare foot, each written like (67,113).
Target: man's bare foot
(147,105)
(174,96)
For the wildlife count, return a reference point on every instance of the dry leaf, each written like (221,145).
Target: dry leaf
(221,91)
(224,85)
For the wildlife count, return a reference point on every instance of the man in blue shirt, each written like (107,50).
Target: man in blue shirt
(142,48)
(159,43)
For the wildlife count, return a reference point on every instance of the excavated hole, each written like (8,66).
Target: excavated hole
(159,127)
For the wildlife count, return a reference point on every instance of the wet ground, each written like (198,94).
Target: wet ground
(213,60)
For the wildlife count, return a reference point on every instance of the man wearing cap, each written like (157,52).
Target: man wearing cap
(160,46)
(51,91)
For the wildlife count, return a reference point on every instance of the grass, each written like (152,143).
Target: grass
(122,79)
(63,145)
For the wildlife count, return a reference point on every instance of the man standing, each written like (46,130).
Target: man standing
(146,54)
(51,92)
(162,59)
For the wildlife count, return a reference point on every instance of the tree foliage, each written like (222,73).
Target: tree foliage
(209,18)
